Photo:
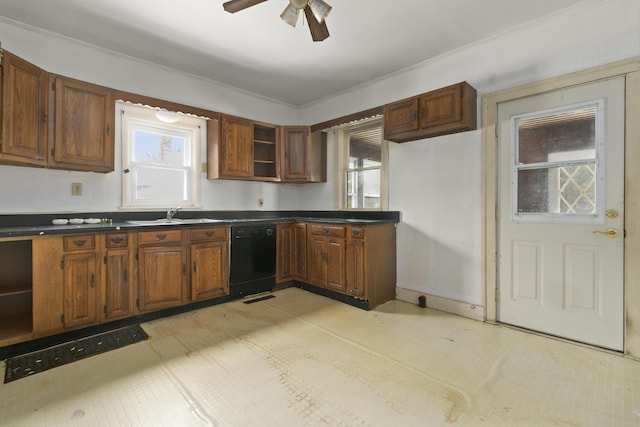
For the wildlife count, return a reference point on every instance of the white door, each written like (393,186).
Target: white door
(560,213)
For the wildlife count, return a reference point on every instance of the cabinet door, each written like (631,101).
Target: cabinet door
(317,274)
(236,156)
(84,137)
(299,251)
(401,116)
(284,252)
(441,107)
(80,293)
(336,263)
(162,277)
(295,153)
(118,298)
(355,268)
(24,107)
(209,277)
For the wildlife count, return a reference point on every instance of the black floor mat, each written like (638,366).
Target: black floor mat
(31,363)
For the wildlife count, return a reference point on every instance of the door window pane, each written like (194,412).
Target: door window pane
(556,172)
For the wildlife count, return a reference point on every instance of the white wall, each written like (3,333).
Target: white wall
(437,183)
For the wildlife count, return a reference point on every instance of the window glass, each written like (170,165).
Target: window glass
(556,171)
(364,169)
(160,159)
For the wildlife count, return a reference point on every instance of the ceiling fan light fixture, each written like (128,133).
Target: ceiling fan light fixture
(299,4)
(290,15)
(320,9)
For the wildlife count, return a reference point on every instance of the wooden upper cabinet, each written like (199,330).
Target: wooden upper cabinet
(401,116)
(295,147)
(236,148)
(24,112)
(304,155)
(447,110)
(84,132)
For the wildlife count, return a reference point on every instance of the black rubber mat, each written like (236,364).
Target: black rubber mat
(31,363)
(251,301)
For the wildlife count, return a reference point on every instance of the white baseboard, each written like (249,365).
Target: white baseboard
(471,311)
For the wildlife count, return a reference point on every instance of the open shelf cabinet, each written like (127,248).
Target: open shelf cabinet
(16,295)
(264,151)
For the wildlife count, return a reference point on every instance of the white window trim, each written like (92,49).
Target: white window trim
(342,161)
(126,113)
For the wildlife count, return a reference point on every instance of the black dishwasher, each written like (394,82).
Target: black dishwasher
(253,259)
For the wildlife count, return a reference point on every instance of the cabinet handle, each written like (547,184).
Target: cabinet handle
(79,242)
(195,266)
(414,114)
(209,233)
(325,230)
(161,236)
(108,128)
(93,280)
(184,269)
(117,240)
(126,275)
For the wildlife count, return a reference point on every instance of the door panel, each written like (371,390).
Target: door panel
(560,176)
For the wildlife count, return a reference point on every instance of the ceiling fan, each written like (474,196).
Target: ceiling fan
(315,11)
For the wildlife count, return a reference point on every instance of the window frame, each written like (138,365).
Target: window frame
(130,115)
(342,134)
(597,161)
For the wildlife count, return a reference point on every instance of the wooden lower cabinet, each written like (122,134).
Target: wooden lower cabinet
(117,298)
(291,254)
(66,280)
(371,263)
(327,253)
(358,261)
(162,270)
(355,264)
(209,263)
(80,271)
(80,293)
(299,251)
(284,252)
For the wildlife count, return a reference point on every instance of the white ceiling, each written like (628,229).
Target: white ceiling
(256,51)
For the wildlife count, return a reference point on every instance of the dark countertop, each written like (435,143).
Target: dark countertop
(40,224)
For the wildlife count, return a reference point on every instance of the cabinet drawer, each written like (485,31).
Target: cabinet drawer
(159,236)
(357,233)
(328,230)
(117,240)
(79,242)
(217,233)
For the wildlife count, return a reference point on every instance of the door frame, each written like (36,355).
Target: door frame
(630,69)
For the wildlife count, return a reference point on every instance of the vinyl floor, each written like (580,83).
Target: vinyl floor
(300,359)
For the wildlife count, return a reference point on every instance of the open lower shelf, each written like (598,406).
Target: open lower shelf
(16,326)
(15,290)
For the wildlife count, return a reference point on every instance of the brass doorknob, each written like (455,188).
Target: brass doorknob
(611,233)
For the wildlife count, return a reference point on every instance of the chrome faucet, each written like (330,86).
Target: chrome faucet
(171,212)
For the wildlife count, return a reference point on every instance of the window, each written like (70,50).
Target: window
(363,156)
(557,172)
(160,158)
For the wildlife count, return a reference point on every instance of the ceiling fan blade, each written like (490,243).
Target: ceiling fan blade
(319,30)
(234,6)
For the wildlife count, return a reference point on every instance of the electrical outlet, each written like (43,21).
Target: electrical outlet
(260,202)
(76,189)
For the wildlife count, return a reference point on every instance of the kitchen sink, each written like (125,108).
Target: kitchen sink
(174,221)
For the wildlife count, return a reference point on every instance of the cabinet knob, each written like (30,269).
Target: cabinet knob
(161,236)
(117,240)
(80,242)
(209,233)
